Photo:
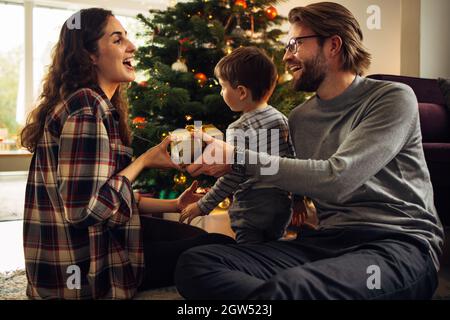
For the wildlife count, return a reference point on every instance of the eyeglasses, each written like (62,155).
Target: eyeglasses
(294,43)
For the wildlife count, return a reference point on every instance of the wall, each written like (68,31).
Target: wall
(19,161)
(384,44)
(410,38)
(121,7)
(435,39)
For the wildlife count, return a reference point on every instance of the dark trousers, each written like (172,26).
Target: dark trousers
(327,264)
(164,242)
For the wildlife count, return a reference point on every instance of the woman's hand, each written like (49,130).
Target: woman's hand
(190,212)
(158,157)
(188,197)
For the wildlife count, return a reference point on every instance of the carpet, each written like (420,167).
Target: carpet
(13,287)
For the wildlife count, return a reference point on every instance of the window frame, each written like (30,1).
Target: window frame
(120,8)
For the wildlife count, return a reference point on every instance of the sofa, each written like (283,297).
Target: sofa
(435,127)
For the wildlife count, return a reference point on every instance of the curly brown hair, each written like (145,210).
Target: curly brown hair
(72,69)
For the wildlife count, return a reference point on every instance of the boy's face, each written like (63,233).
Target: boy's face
(235,98)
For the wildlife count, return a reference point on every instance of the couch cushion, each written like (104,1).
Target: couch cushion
(426,90)
(437,156)
(434,122)
(444,85)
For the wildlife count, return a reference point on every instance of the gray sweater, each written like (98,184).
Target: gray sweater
(360,159)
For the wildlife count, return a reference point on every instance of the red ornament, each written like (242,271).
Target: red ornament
(201,78)
(183,42)
(139,122)
(241,3)
(143,84)
(271,13)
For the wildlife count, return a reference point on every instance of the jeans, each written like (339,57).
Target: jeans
(164,242)
(350,263)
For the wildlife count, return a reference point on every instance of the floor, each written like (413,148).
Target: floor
(11,250)
(11,253)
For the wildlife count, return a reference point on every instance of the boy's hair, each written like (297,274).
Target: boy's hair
(249,67)
(327,19)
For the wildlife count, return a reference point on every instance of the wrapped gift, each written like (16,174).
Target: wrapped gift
(185,147)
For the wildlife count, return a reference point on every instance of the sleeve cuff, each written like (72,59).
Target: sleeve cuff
(122,186)
(203,207)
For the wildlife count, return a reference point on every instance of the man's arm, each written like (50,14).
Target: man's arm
(377,139)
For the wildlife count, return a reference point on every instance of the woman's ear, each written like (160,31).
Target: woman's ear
(243,92)
(93,59)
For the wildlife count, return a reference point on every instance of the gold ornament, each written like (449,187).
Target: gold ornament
(285,77)
(179,179)
(225,204)
(228,48)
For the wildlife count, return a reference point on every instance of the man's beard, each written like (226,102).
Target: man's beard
(313,73)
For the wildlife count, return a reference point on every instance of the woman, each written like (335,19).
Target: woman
(83,236)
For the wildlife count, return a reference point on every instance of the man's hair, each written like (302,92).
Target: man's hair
(328,19)
(249,67)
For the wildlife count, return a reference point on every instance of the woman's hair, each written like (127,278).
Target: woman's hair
(249,67)
(328,19)
(71,69)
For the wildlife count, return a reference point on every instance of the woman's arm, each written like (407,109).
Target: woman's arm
(89,190)
(156,157)
(152,205)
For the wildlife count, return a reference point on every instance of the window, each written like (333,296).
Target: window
(47,23)
(15,89)
(11,71)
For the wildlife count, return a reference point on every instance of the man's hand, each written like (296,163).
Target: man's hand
(216,159)
(188,197)
(190,212)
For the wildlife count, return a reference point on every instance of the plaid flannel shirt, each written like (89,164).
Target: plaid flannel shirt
(79,214)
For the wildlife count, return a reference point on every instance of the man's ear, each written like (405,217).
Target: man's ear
(335,45)
(243,92)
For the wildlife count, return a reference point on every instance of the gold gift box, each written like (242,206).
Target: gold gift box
(183,148)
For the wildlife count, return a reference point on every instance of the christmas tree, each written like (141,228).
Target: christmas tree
(183,45)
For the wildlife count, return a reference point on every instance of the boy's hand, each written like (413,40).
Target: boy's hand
(190,212)
(188,196)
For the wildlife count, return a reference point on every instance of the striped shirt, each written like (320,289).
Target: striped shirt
(256,128)
(82,236)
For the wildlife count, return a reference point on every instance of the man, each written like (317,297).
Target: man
(360,159)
